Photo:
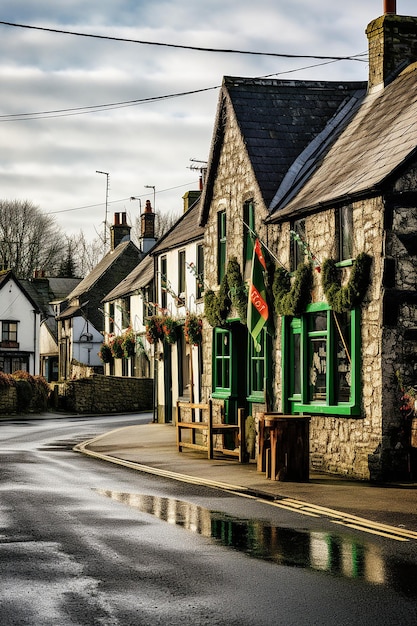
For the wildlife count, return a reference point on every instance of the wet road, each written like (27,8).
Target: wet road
(83,542)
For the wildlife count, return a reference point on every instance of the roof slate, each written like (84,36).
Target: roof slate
(185,230)
(139,277)
(97,272)
(380,138)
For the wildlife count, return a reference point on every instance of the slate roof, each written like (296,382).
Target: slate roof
(9,275)
(379,139)
(97,272)
(139,277)
(185,230)
(47,290)
(278,119)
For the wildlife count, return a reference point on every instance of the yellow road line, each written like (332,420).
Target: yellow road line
(370,530)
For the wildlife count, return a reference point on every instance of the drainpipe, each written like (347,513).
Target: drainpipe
(390,6)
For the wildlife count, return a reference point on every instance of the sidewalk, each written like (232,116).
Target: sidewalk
(152,448)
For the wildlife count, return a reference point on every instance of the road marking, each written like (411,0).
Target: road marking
(288,504)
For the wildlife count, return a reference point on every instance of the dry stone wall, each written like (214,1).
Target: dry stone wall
(107,394)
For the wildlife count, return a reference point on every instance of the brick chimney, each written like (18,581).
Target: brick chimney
(147,228)
(119,231)
(392,41)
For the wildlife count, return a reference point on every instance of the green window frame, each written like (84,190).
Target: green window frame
(222,360)
(258,367)
(321,362)
(221,245)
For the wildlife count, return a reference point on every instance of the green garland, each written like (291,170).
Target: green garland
(292,300)
(238,289)
(342,299)
(232,292)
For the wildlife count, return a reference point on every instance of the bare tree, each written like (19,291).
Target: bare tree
(163,223)
(29,239)
(86,254)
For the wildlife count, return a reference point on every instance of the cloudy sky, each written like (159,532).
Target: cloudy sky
(56,129)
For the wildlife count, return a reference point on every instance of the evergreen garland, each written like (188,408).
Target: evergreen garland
(342,299)
(211,308)
(238,290)
(292,300)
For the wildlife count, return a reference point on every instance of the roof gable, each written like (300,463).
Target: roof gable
(277,120)
(380,138)
(102,267)
(9,275)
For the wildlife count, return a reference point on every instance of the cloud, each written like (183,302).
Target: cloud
(52,162)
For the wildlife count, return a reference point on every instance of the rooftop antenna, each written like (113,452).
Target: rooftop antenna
(107,204)
(202,168)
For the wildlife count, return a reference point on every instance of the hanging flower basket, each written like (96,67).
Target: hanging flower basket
(117,347)
(105,353)
(193,329)
(154,330)
(169,327)
(129,343)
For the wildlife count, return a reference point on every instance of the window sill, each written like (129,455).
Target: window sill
(322,409)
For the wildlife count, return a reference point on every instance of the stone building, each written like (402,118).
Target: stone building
(325,174)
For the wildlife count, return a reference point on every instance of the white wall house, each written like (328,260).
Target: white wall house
(126,308)
(179,288)
(19,327)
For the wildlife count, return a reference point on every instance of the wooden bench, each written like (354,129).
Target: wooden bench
(236,430)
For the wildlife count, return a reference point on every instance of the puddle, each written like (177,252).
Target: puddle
(320,551)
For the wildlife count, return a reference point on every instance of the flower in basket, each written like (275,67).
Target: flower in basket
(129,343)
(169,326)
(154,329)
(117,347)
(105,353)
(193,329)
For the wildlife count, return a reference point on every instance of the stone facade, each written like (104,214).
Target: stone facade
(364,445)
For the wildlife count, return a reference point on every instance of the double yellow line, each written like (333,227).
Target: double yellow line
(345,519)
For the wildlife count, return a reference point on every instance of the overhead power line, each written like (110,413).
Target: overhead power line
(97,108)
(182,46)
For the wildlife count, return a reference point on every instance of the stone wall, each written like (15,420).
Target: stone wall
(106,394)
(8,400)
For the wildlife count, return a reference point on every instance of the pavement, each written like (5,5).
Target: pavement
(152,448)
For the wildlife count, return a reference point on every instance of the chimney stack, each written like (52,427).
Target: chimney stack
(119,231)
(390,6)
(147,227)
(392,41)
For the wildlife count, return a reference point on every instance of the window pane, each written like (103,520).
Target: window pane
(318,366)
(297,250)
(319,321)
(343,357)
(221,243)
(345,233)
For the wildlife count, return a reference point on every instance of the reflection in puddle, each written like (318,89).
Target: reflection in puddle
(338,555)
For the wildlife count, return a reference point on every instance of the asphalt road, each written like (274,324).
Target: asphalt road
(84,542)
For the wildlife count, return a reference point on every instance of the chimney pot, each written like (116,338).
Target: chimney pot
(116,219)
(390,6)
(124,221)
(148,207)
